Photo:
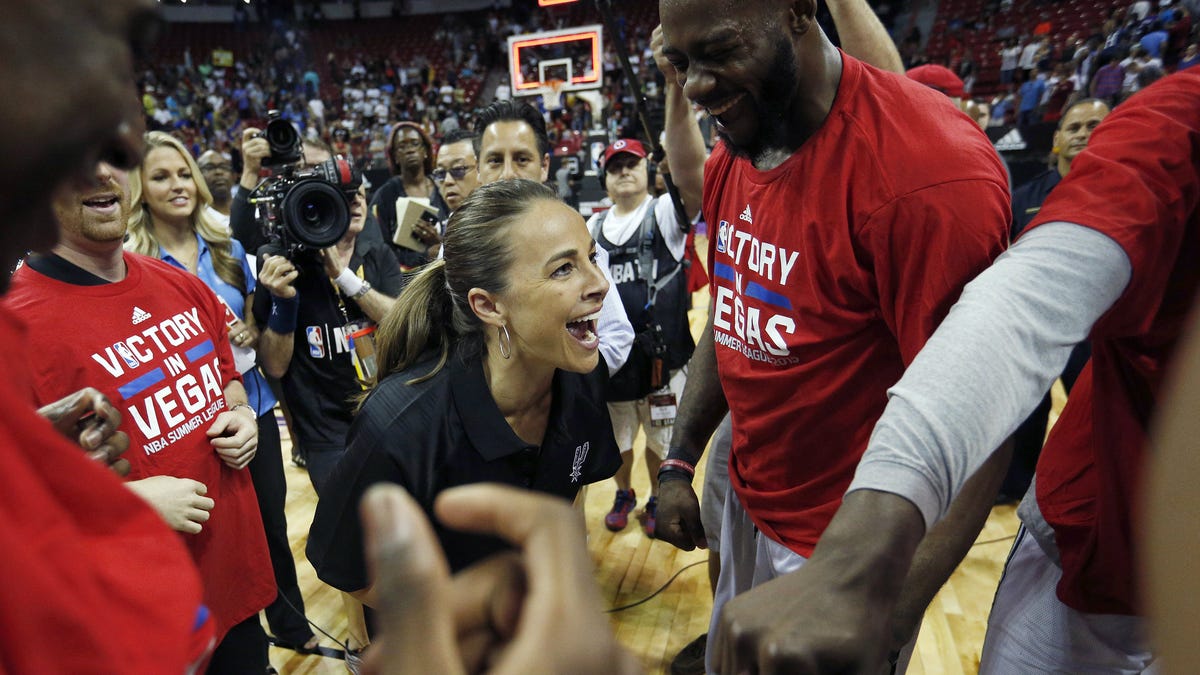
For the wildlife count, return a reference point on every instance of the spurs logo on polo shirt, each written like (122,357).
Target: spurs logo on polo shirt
(581,453)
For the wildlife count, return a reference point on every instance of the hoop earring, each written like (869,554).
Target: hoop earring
(505,342)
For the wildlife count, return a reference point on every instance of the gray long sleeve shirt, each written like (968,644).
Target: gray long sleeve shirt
(990,362)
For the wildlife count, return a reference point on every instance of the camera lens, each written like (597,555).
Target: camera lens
(315,213)
(284,141)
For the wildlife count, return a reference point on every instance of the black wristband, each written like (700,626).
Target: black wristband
(668,474)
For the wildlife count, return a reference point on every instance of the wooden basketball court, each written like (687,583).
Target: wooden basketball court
(661,594)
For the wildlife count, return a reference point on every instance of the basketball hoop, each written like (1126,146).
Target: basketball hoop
(552,94)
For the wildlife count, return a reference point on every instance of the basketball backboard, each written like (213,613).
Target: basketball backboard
(569,58)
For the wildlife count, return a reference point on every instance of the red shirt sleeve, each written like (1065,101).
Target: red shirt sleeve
(1157,186)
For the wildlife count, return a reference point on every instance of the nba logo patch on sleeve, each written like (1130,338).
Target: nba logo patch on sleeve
(723,233)
(316,342)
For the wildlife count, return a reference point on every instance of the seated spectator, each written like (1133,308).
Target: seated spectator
(1191,56)
(1108,80)
(1155,40)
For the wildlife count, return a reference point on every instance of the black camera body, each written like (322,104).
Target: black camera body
(303,207)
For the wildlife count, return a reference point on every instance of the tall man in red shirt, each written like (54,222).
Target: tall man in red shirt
(842,234)
(1111,258)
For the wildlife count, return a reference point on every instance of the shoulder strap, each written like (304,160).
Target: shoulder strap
(599,225)
(646,254)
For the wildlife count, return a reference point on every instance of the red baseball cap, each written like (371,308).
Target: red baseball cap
(628,145)
(938,77)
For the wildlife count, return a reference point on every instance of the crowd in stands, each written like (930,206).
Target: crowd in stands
(348,84)
(1024,60)
(1028,60)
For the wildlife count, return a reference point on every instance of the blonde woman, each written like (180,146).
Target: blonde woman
(170,219)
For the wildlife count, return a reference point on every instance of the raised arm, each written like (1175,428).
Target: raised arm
(684,144)
(863,36)
(281,303)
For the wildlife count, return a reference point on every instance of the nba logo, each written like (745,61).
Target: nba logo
(127,354)
(723,232)
(316,342)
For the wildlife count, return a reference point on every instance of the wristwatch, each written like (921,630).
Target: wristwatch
(366,287)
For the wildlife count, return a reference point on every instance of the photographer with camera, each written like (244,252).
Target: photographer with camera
(311,300)
(256,153)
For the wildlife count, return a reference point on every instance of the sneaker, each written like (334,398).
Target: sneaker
(618,517)
(690,659)
(648,515)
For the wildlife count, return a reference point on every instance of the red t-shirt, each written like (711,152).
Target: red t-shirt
(1139,183)
(829,272)
(94,581)
(155,344)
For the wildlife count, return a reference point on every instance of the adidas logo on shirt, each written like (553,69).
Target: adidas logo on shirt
(746,215)
(139,315)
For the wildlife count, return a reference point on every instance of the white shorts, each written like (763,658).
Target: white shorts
(1031,631)
(628,416)
(716,483)
(750,558)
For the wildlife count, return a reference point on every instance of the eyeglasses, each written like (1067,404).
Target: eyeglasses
(458,172)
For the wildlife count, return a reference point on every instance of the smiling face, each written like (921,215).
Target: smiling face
(168,185)
(456,158)
(92,215)
(555,289)
(508,149)
(47,145)
(746,81)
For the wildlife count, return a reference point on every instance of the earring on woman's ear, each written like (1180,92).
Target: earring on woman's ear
(505,342)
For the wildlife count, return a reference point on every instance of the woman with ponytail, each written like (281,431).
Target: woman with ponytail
(489,370)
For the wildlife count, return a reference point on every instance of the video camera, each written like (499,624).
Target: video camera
(304,207)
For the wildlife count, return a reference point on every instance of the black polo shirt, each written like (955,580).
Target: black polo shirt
(448,431)
(1027,200)
(320,383)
